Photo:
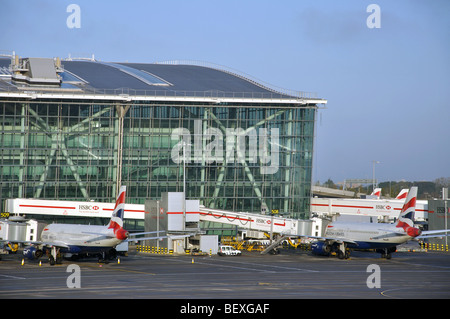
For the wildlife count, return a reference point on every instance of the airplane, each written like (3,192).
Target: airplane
(376,192)
(403,193)
(384,238)
(84,240)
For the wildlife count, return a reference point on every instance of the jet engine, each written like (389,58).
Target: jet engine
(413,232)
(320,248)
(31,252)
(122,234)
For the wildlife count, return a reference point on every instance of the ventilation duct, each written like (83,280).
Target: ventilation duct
(36,71)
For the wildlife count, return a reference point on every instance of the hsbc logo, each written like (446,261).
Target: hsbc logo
(262,221)
(88,207)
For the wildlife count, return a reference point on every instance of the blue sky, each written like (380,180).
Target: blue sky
(388,89)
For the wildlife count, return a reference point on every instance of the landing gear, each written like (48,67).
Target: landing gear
(342,252)
(105,257)
(386,252)
(343,255)
(55,256)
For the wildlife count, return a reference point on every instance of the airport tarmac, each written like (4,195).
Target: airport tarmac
(250,276)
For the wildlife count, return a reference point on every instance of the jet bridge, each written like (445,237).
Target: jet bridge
(283,227)
(257,222)
(169,216)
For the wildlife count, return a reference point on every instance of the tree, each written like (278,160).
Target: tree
(442,182)
(329,183)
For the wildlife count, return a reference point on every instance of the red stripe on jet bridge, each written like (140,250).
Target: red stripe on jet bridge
(344,206)
(278,224)
(127,210)
(369,207)
(41,206)
(180,213)
(350,206)
(417,210)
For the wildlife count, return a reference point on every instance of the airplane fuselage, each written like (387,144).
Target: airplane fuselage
(80,238)
(368,235)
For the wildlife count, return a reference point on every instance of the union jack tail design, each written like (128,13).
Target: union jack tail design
(116,222)
(406,218)
(403,193)
(376,192)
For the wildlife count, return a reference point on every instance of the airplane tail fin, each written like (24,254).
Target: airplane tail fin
(116,222)
(403,193)
(406,218)
(376,192)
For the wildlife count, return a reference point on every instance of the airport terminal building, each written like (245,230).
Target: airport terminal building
(78,129)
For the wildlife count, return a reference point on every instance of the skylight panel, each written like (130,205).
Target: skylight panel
(143,76)
(69,77)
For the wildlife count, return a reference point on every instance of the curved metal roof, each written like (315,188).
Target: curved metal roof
(173,78)
(145,79)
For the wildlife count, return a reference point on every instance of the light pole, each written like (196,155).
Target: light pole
(445,198)
(184,185)
(373,174)
(185,158)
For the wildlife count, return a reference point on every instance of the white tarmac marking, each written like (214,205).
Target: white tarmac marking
(12,277)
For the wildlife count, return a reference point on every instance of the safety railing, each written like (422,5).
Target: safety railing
(244,76)
(434,247)
(153,250)
(127,92)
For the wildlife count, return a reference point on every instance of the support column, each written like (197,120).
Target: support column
(287,174)
(23,149)
(121,111)
(203,170)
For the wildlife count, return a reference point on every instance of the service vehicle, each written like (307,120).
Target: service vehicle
(225,250)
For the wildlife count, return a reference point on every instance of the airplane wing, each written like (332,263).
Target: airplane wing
(99,234)
(338,240)
(145,233)
(21,242)
(59,244)
(43,243)
(157,237)
(434,233)
(132,237)
(99,237)
(390,234)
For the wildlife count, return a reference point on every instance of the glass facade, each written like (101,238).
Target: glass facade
(232,156)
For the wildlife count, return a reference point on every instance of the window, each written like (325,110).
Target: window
(141,75)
